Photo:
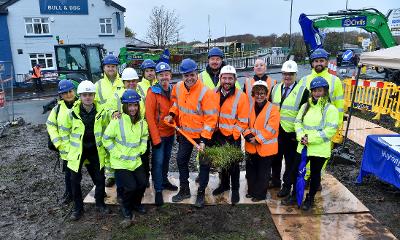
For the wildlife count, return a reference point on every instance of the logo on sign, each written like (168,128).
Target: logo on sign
(347,55)
(354,22)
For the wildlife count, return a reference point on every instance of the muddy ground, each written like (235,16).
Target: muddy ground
(30,189)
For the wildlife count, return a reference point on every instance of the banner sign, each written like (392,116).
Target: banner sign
(394,22)
(64,7)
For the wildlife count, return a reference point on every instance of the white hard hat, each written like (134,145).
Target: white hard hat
(289,66)
(260,83)
(228,69)
(129,74)
(86,87)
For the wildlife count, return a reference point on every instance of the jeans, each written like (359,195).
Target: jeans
(160,162)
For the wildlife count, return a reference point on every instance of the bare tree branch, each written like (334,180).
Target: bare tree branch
(164,26)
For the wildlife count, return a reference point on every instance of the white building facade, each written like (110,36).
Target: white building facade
(35,25)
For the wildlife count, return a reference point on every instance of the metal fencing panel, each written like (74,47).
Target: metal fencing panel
(7,83)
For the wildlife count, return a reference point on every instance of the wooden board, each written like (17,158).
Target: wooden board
(334,198)
(331,226)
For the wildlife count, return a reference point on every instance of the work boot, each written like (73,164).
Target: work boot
(220,189)
(139,208)
(184,193)
(126,213)
(110,182)
(308,203)
(283,192)
(102,209)
(159,201)
(200,199)
(235,197)
(289,200)
(169,186)
(76,214)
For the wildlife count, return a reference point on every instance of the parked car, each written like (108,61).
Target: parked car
(354,60)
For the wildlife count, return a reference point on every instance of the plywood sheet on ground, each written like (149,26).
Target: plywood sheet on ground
(334,198)
(174,178)
(332,226)
(359,130)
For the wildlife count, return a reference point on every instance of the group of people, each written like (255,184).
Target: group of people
(115,122)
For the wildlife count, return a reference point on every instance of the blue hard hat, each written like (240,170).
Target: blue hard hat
(65,86)
(319,82)
(148,63)
(319,53)
(130,96)
(215,52)
(110,60)
(187,66)
(162,67)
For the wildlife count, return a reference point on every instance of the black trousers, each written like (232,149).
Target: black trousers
(37,82)
(316,164)
(258,170)
(98,177)
(287,146)
(145,157)
(67,179)
(133,184)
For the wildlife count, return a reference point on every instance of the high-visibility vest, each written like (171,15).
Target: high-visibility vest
(290,105)
(74,131)
(36,72)
(248,86)
(54,125)
(143,86)
(265,128)
(158,105)
(105,91)
(336,94)
(320,124)
(205,78)
(233,114)
(196,109)
(125,142)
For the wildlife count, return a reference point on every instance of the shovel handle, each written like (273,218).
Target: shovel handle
(173,124)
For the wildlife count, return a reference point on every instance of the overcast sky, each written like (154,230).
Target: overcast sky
(259,17)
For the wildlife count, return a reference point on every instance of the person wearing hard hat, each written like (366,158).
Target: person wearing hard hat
(315,125)
(260,73)
(261,143)
(110,83)
(37,78)
(289,95)
(58,115)
(125,140)
(194,106)
(158,103)
(149,79)
(106,88)
(210,76)
(83,130)
(232,121)
(319,61)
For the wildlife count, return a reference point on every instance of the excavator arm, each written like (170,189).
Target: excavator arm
(371,20)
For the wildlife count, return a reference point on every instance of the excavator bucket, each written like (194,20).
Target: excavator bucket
(312,36)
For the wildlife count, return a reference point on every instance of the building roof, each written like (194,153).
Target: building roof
(6,3)
(213,44)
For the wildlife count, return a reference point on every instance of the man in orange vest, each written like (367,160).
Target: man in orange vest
(37,78)
(260,73)
(232,121)
(194,106)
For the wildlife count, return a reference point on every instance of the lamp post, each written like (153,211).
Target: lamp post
(290,23)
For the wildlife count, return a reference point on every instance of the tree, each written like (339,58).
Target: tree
(129,33)
(164,26)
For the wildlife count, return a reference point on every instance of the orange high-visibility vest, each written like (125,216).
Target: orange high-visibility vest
(265,128)
(233,114)
(195,108)
(36,72)
(248,86)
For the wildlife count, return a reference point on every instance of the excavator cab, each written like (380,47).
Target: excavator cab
(79,61)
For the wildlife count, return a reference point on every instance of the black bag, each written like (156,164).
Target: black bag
(50,143)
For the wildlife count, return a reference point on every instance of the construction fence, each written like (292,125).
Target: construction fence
(376,96)
(6,94)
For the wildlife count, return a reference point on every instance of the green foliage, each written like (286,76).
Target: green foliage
(222,156)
